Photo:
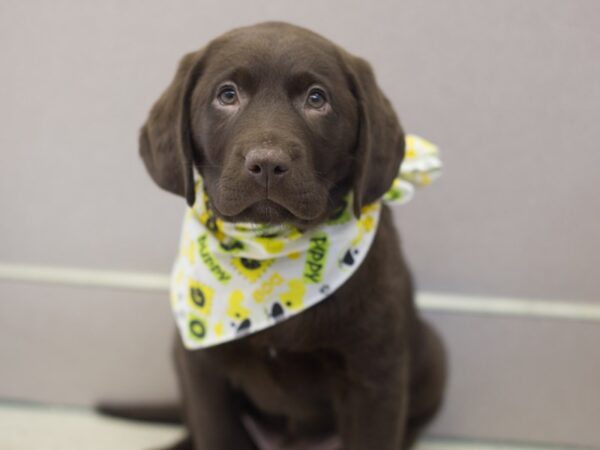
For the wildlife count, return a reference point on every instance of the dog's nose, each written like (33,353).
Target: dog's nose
(267,165)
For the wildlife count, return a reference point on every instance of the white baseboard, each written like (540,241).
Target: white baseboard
(72,276)
(453,303)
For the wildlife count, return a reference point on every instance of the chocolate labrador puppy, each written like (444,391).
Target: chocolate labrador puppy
(281,124)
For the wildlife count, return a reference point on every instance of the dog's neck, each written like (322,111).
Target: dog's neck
(233,279)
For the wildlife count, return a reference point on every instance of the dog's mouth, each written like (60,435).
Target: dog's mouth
(265,211)
(297,210)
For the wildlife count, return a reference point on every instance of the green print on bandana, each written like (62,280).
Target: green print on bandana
(196,327)
(213,265)
(316,257)
(394,194)
(341,215)
(200,297)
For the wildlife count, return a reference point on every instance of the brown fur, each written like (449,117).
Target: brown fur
(361,364)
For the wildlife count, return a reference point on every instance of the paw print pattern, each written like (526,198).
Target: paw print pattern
(349,258)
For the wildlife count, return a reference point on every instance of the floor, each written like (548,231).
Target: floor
(31,427)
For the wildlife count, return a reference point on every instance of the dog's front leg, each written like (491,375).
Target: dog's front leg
(210,411)
(371,407)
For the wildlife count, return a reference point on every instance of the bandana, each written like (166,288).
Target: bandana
(233,279)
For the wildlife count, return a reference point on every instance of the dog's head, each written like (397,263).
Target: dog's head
(279,122)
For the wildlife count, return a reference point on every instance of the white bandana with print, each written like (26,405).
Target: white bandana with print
(233,279)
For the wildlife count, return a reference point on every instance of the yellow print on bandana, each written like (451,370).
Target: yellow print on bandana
(252,269)
(218,329)
(209,261)
(200,297)
(292,298)
(189,249)
(364,225)
(267,287)
(271,245)
(235,308)
(316,257)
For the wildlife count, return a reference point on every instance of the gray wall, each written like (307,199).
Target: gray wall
(509,89)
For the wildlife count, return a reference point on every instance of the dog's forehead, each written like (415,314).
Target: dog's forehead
(275,48)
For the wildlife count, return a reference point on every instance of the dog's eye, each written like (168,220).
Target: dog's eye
(227,95)
(316,98)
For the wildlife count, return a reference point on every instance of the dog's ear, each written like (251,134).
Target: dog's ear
(380,143)
(165,139)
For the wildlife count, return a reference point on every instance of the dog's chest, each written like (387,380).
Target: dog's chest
(281,383)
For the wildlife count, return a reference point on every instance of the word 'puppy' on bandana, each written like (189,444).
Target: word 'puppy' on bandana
(233,279)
